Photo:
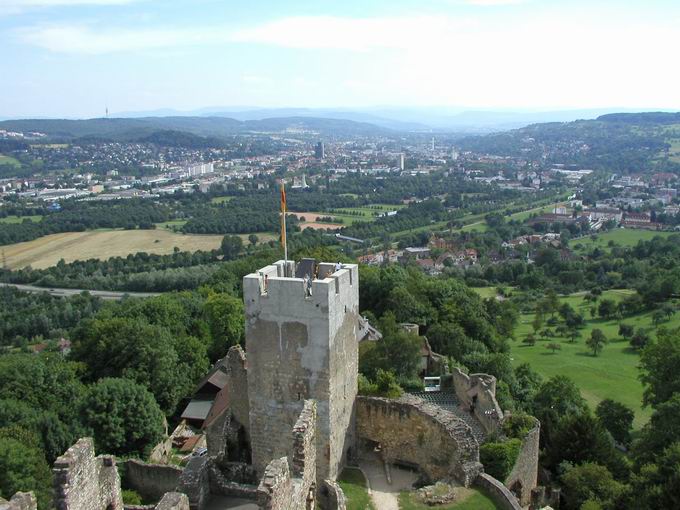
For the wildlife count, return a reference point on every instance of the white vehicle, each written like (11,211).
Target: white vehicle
(432,383)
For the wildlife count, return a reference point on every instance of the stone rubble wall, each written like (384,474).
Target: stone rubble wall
(20,501)
(235,418)
(238,386)
(151,481)
(227,486)
(291,488)
(331,496)
(173,501)
(276,488)
(524,475)
(83,482)
(412,431)
(483,387)
(195,482)
(499,492)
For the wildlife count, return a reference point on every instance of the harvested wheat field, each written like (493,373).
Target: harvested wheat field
(101,244)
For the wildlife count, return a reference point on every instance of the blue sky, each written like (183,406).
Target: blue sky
(75,57)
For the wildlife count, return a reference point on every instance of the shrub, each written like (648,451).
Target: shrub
(131,497)
(499,458)
(517,426)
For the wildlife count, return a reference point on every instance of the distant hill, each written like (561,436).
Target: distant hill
(620,142)
(412,119)
(643,118)
(133,129)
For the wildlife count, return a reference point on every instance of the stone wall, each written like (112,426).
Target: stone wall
(173,501)
(151,481)
(524,475)
(412,431)
(20,501)
(331,496)
(227,426)
(285,487)
(195,482)
(301,347)
(83,482)
(276,488)
(479,390)
(499,492)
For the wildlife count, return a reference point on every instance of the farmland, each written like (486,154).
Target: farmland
(102,244)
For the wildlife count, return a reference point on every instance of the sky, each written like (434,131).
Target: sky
(75,58)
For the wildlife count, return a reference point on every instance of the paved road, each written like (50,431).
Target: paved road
(103,294)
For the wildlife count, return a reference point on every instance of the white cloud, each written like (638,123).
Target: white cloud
(90,41)
(543,60)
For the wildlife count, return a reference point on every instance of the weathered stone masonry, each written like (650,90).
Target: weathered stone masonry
(302,347)
(285,487)
(85,482)
(415,432)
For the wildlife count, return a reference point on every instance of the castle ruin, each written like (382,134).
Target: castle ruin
(287,418)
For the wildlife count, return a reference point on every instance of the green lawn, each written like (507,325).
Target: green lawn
(220,200)
(613,374)
(621,236)
(486,292)
(474,500)
(9,160)
(170,224)
(353,484)
(20,219)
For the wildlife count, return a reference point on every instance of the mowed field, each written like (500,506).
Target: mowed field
(348,215)
(612,374)
(621,236)
(19,219)
(101,244)
(9,160)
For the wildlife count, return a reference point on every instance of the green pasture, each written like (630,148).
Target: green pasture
(20,219)
(612,374)
(9,160)
(621,236)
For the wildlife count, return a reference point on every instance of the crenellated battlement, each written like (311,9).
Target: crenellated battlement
(276,289)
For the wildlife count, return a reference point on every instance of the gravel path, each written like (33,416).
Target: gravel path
(384,495)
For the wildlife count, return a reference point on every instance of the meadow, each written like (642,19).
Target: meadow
(101,244)
(20,219)
(348,215)
(9,160)
(612,374)
(624,237)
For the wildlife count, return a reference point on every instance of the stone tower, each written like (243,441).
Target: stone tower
(301,343)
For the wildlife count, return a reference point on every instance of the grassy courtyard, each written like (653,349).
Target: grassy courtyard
(469,499)
(354,486)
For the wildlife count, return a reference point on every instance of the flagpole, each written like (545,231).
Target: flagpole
(284,237)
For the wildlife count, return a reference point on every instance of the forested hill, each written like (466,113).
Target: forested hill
(642,118)
(138,128)
(621,142)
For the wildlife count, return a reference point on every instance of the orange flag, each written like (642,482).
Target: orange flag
(283,198)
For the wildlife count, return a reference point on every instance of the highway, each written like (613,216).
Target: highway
(103,294)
